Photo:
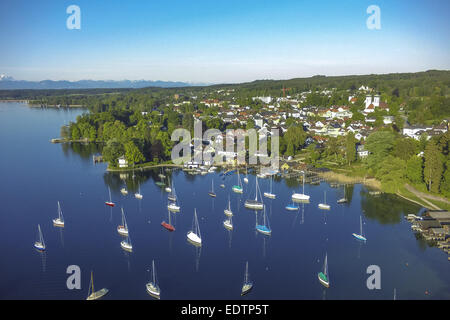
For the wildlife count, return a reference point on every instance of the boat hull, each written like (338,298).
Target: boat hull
(122,231)
(168,226)
(359,237)
(300,197)
(237,189)
(39,246)
(173,208)
(269,195)
(153,291)
(324,206)
(290,208)
(98,294)
(228,212)
(227,225)
(110,204)
(323,280)
(212,194)
(58,223)
(246,288)
(194,239)
(126,246)
(252,204)
(264,230)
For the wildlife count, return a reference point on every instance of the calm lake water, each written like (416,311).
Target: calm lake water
(35,174)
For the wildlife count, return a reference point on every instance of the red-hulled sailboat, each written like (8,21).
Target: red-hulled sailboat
(168,226)
(110,203)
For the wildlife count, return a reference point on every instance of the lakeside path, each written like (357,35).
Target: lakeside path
(424,196)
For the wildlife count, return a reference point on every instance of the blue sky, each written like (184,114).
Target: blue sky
(220,41)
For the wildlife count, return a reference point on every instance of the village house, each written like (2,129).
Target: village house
(362,152)
(123,163)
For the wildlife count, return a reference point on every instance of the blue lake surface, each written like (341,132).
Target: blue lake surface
(35,174)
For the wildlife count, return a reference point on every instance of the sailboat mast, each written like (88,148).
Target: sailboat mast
(360,225)
(303,180)
(153,271)
(246,273)
(92,281)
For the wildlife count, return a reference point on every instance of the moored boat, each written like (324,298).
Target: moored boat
(40,244)
(247,285)
(94,295)
(59,222)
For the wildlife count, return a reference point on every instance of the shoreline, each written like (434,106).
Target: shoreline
(342,178)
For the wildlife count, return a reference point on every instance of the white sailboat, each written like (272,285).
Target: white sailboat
(59,222)
(40,244)
(344,199)
(124,191)
(228,211)
(172,195)
(301,196)
(168,188)
(194,235)
(323,276)
(93,295)
(254,204)
(324,205)
(212,193)
(248,285)
(126,244)
(123,228)
(152,286)
(360,235)
(138,195)
(270,195)
(172,206)
(228,223)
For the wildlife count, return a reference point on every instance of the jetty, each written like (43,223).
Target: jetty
(434,225)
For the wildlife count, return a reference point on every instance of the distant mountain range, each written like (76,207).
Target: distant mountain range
(8,83)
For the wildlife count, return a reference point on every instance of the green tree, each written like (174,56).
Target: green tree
(434,167)
(350,148)
(404,148)
(132,153)
(379,144)
(445,184)
(391,173)
(414,169)
(75,132)
(113,151)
